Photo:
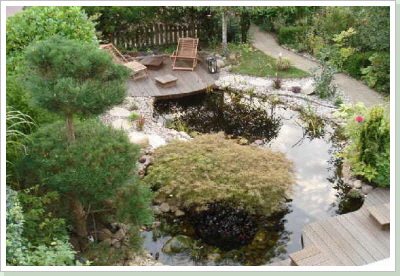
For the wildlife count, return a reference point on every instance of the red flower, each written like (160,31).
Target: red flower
(359,119)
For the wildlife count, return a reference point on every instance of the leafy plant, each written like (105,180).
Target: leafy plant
(323,77)
(368,150)
(377,75)
(133,107)
(211,168)
(283,64)
(39,23)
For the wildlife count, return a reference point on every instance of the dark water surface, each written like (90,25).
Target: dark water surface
(319,192)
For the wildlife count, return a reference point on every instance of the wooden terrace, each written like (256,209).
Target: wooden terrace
(189,82)
(353,239)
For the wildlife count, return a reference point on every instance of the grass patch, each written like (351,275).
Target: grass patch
(256,63)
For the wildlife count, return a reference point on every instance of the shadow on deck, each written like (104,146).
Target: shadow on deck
(189,82)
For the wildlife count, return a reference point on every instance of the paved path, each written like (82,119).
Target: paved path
(356,90)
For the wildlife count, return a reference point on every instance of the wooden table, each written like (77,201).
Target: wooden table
(153,63)
(139,70)
(166,80)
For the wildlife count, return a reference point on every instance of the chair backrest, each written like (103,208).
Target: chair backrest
(187,47)
(110,48)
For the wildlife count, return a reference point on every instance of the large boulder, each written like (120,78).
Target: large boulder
(177,244)
(139,139)
(121,124)
(120,112)
(308,88)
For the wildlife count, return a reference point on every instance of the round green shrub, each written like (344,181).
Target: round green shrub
(290,35)
(211,168)
(38,23)
(356,62)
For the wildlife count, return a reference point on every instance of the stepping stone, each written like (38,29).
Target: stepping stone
(381,214)
(311,256)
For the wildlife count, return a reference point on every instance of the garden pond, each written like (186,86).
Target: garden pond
(319,192)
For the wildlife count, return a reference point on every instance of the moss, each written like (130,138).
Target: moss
(211,168)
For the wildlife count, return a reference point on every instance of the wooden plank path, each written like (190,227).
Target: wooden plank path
(350,239)
(353,238)
(189,82)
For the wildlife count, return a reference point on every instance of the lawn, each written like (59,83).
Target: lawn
(256,63)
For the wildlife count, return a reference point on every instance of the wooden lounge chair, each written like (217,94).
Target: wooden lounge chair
(138,69)
(186,50)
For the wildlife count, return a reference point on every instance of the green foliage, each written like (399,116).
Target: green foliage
(97,163)
(20,251)
(72,77)
(134,116)
(323,77)
(14,228)
(257,63)
(290,35)
(211,168)
(368,150)
(283,64)
(38,23)
(41,227)
(356,62)
(377,75)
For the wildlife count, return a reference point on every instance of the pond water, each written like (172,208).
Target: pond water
(319,192)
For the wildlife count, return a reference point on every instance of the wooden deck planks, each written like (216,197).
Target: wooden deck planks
(353,238)
(188,82)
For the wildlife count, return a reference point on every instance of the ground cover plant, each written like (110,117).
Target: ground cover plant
(212,168)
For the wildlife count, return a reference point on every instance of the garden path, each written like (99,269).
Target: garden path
(356,90)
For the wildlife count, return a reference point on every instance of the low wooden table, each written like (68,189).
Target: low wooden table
(167,80)
(153,63)
(139,70)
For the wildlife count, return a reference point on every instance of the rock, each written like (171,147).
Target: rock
(184,135)
(354,193)
(366,189)
(214,257)
(142,159)
(107,242)
(220,63)
(173,208)
(139,139)
(157,201)
(156,210)
(179,213)
(120,234)
(120,112)
(243,141)
(177,244)
(156,141)
(121,124)
(164,207)
(104,234)
(308,88)
(348,182)
(149,161)
(130,263)
(357,184)
(258,142)
(117,245)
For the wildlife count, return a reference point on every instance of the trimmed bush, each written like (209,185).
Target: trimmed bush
(355,62)
(212,168)
(290,35)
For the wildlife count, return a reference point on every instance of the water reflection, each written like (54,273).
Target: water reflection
(319,192)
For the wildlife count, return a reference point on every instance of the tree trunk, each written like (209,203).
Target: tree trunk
(70,129)
(80,223)
(244,25)
(224,32)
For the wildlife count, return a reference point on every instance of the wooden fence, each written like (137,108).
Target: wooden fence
(152,36)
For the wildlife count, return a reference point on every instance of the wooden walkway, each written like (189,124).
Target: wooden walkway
(351,239)
(188,82)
